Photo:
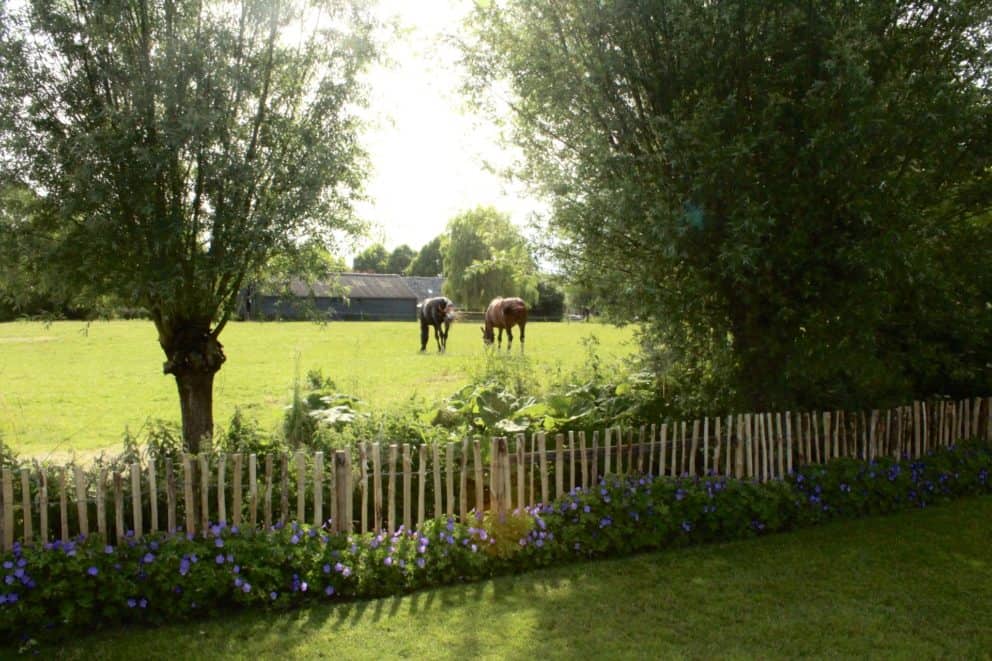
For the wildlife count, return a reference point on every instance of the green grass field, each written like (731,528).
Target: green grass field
(911,586)
(73,387)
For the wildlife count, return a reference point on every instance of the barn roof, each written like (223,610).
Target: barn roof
(425,286)
(356,285)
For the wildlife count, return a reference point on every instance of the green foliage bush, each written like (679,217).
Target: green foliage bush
(84,583)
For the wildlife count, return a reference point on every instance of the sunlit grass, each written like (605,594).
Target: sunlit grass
(72,386)
(914,585)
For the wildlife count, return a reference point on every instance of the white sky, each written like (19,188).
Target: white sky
(428,150)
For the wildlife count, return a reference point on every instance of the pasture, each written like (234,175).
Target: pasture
(74,387)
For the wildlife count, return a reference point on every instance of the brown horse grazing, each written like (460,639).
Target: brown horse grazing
(505,313)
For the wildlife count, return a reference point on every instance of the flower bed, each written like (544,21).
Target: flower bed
(64,587)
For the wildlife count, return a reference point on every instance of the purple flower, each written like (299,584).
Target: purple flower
(143,603)
(131,603)
(273,595)
(220,559)
(12,598)
(303,586)
(92,571)
(388,561)
(686,526)
(329,590)
(327,569)
(295,539)
(238,582)
(108,549)
(246,588)
(219,543)
(149,558)
(421,562)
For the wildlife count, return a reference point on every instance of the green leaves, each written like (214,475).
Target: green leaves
(485,256)
(769,207)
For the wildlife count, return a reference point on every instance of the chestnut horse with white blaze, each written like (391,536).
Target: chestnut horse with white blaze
(505,313)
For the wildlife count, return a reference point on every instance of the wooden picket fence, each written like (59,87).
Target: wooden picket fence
(382,487)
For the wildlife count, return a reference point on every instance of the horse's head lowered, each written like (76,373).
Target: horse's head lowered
(488,337)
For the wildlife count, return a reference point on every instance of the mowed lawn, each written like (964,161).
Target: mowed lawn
(912,586)
(74,387)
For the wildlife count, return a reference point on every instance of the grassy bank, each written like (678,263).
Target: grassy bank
(910,585)
(70,386)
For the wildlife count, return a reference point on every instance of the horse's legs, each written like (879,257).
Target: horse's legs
(522,337)
(423,335)
(499,342)
(444,335)
(509,338)
(437,336)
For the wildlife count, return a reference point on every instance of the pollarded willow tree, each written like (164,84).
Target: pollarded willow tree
(486,256)
(175,146)
(792,196)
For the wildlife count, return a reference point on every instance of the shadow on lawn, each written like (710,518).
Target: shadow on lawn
(905,584)
(913,584)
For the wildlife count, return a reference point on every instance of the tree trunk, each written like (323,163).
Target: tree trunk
(196,399)
(193,356)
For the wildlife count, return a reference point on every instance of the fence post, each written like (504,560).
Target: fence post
(421,484)
(407,489)
(583,462)
(521,473)
(695,448)
(101,505)
(8,510)
(118,508)
(438,486)
(391,495)
(480,485)
(449,476)
(342,480)
(363,485)
(153,493)
(43,506)
(236,459)
(135,501)
(79,480)
(222,488)
(301,486)
(64,505)
(189,509)
(607,452)
(377,486)
(170,496)
(28,515)
(318,489)
(559,465)
(500,460)
(542,449)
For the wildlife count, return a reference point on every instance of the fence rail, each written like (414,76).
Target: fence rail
(378,486)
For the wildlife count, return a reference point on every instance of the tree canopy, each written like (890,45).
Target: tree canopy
(373,259)
(793,197)
(486,256)
(428,260)
(175,146)
(400,259)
